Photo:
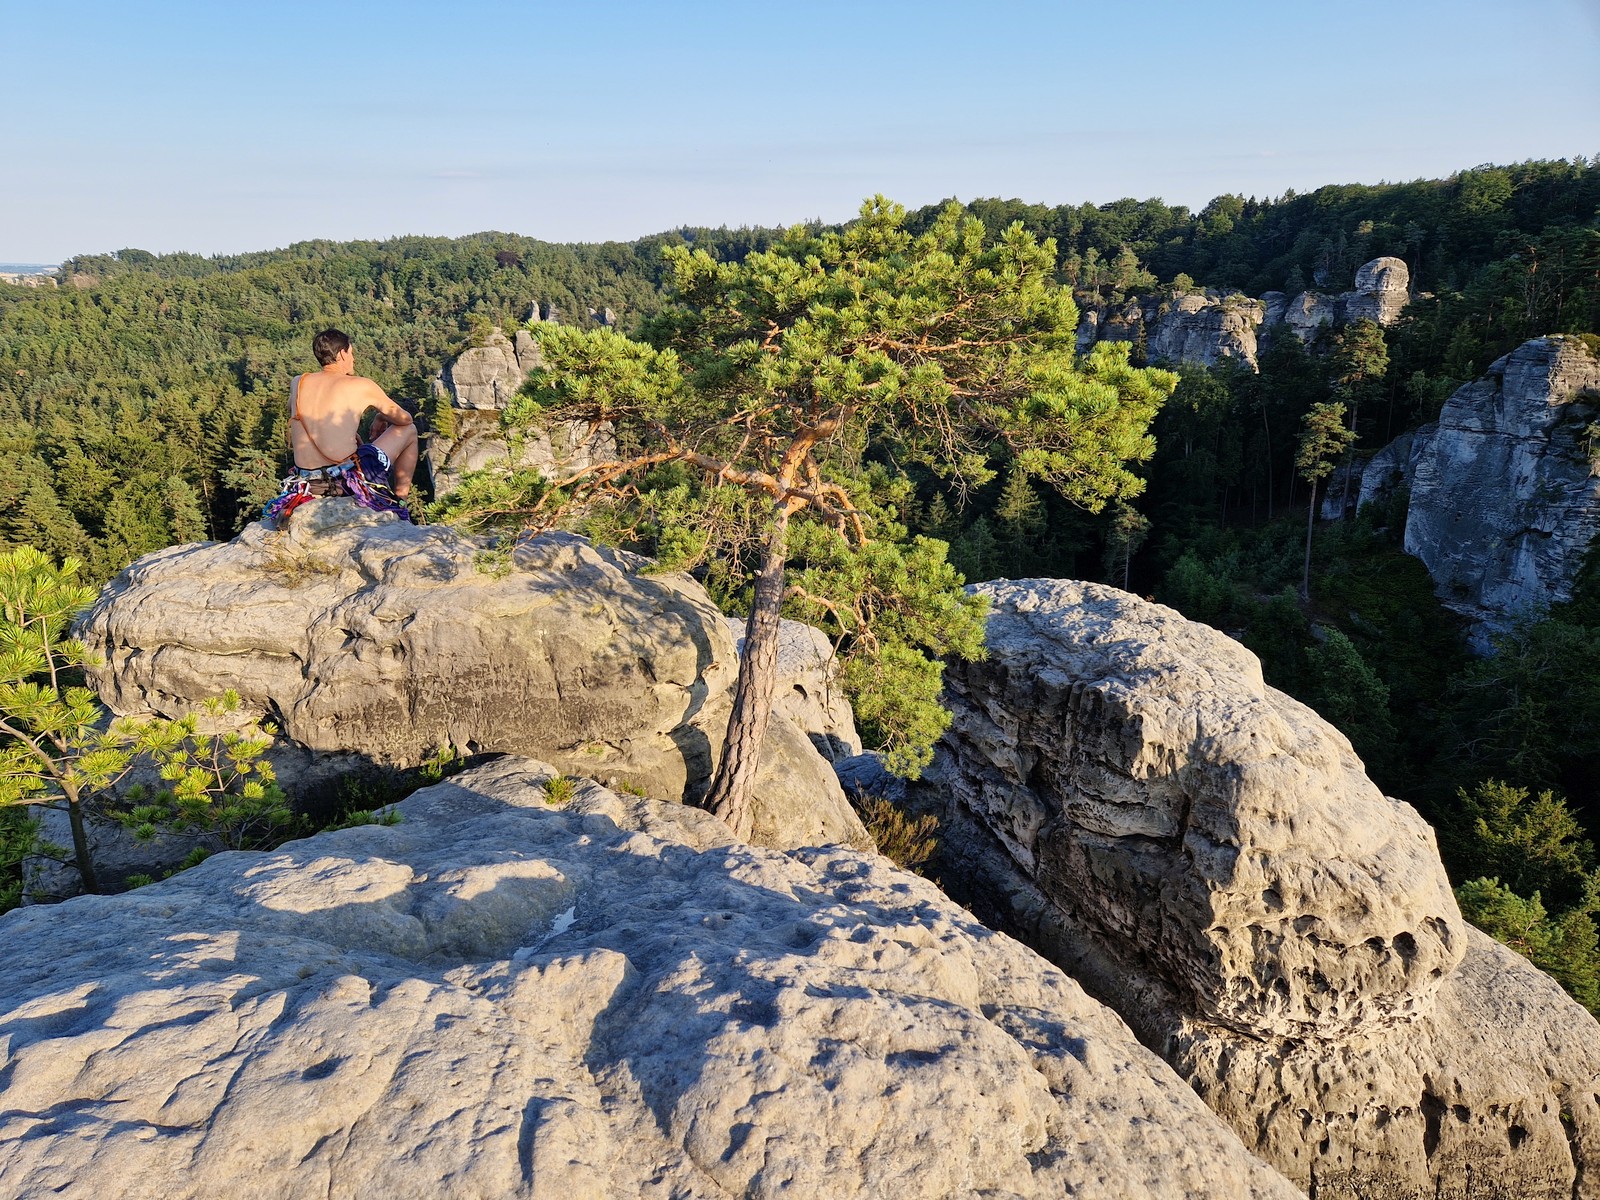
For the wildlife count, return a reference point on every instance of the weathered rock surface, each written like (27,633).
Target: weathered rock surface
(1206,855)
(1394,466)
(1310,312)
(496,999)
(489,375)
(808,690)
(360,634)
(1383,289)
(1203,328)
(1341,494)
(1505,496)
(479,444)
(478,385)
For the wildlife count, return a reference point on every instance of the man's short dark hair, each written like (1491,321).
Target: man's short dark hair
(328,345)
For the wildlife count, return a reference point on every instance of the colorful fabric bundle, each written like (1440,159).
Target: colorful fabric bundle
(364,477)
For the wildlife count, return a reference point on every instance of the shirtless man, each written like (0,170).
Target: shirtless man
(325,410)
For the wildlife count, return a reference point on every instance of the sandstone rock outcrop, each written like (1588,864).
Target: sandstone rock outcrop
(496,999)
(1205,327)
(1192,327)
(1206,855)
(1382,290)
(1505,496)
(356,633)
(488,376)
(1394,466)
(1308,313)
(478,385)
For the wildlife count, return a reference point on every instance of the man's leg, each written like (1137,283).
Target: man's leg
(399,442)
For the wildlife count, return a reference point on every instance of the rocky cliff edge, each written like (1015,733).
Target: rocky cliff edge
(1206,855)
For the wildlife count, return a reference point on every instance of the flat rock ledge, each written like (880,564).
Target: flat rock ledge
(1205,854)
(494,999)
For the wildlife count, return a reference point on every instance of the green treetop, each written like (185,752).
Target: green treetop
(1323,438)
(803,380)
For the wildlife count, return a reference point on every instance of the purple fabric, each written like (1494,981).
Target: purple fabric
(365,479)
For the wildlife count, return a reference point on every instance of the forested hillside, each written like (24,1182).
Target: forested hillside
(143,404)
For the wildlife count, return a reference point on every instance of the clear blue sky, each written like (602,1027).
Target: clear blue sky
(220,127)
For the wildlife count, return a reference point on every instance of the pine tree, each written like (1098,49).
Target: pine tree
(54,754)
(1125,533)
(1020,521)
(1323,438)
(765,373)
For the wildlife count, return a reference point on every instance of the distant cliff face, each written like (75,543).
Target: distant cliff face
(1204,327)
(1505,492)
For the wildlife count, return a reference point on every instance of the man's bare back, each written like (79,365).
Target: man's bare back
(325,409)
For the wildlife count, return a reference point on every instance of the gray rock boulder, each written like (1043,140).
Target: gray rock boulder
(1207,856)
(358,634)
(479,444)
(1341,493)
(1505,496)
(478,385)
(1309,313)
(1394,466)
(1382,290)
(1088,331)
(493,998)
(1203,328)
(487,376)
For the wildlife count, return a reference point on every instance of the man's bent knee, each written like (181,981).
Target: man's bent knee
(396,440)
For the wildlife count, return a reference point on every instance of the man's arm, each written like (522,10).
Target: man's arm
(387,408)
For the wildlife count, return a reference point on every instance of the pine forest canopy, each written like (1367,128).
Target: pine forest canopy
(144,406)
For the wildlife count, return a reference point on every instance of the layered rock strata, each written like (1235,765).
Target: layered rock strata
(492,998)
(1207,855)
(358,634)
(1505,495)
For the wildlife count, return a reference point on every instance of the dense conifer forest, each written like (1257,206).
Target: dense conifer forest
(141,404)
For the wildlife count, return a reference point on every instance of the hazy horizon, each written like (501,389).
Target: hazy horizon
(221,130)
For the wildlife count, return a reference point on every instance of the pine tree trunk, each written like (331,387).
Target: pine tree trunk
(733,786)
(1349,463)
(1311,516)
(1266,425)
(80,847)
